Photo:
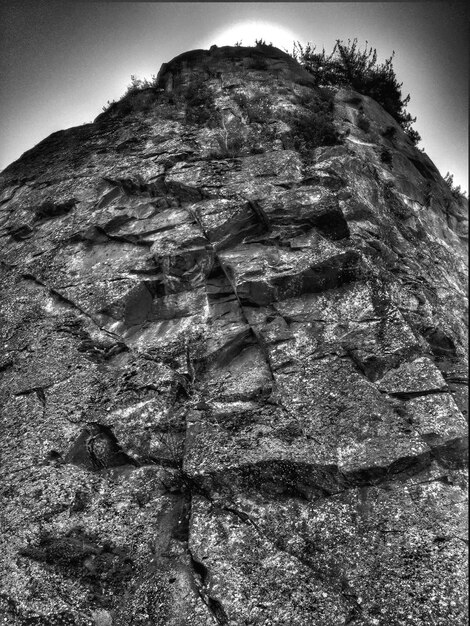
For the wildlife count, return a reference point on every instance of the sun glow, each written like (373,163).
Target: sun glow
(245,33)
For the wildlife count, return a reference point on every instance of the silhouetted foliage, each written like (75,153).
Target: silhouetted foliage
(456,191)
(137,84)
(349,66)
(108,105)
(259,43)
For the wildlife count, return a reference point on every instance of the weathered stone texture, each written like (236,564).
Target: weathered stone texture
(233,374)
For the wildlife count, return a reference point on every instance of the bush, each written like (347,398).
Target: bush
(314,126)
(126,102)
(348,66)
(389,133)
(363,123)
(230,138)
(108,105)
(200,105)
(257,108)
(456,191)
(229,147)
(260,43)
(386,156)
(137,84)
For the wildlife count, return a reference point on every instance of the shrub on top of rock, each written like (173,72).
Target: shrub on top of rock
(348,66)
(137,84)
(455,190)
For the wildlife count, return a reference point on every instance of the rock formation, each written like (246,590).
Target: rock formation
(233,368)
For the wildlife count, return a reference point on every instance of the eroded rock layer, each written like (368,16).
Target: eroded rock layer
(234,362)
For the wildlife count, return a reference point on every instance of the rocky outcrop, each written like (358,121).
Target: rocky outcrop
(234,361)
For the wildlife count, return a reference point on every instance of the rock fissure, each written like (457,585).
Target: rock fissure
(202,576)
(408,395)
(69,303)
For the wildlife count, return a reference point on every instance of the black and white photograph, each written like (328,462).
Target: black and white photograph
(233,313)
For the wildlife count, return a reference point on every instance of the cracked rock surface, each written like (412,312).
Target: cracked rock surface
(233,375)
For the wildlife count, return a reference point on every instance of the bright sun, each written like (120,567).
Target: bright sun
(247,32)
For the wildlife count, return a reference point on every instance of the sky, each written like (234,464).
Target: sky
(61,61)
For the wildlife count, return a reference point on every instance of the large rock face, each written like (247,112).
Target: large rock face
(233,368)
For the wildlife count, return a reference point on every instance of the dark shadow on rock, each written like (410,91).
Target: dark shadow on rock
(97,448)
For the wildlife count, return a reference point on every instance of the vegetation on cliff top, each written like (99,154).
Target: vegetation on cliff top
(455,190)
(349,66)
(346,66)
